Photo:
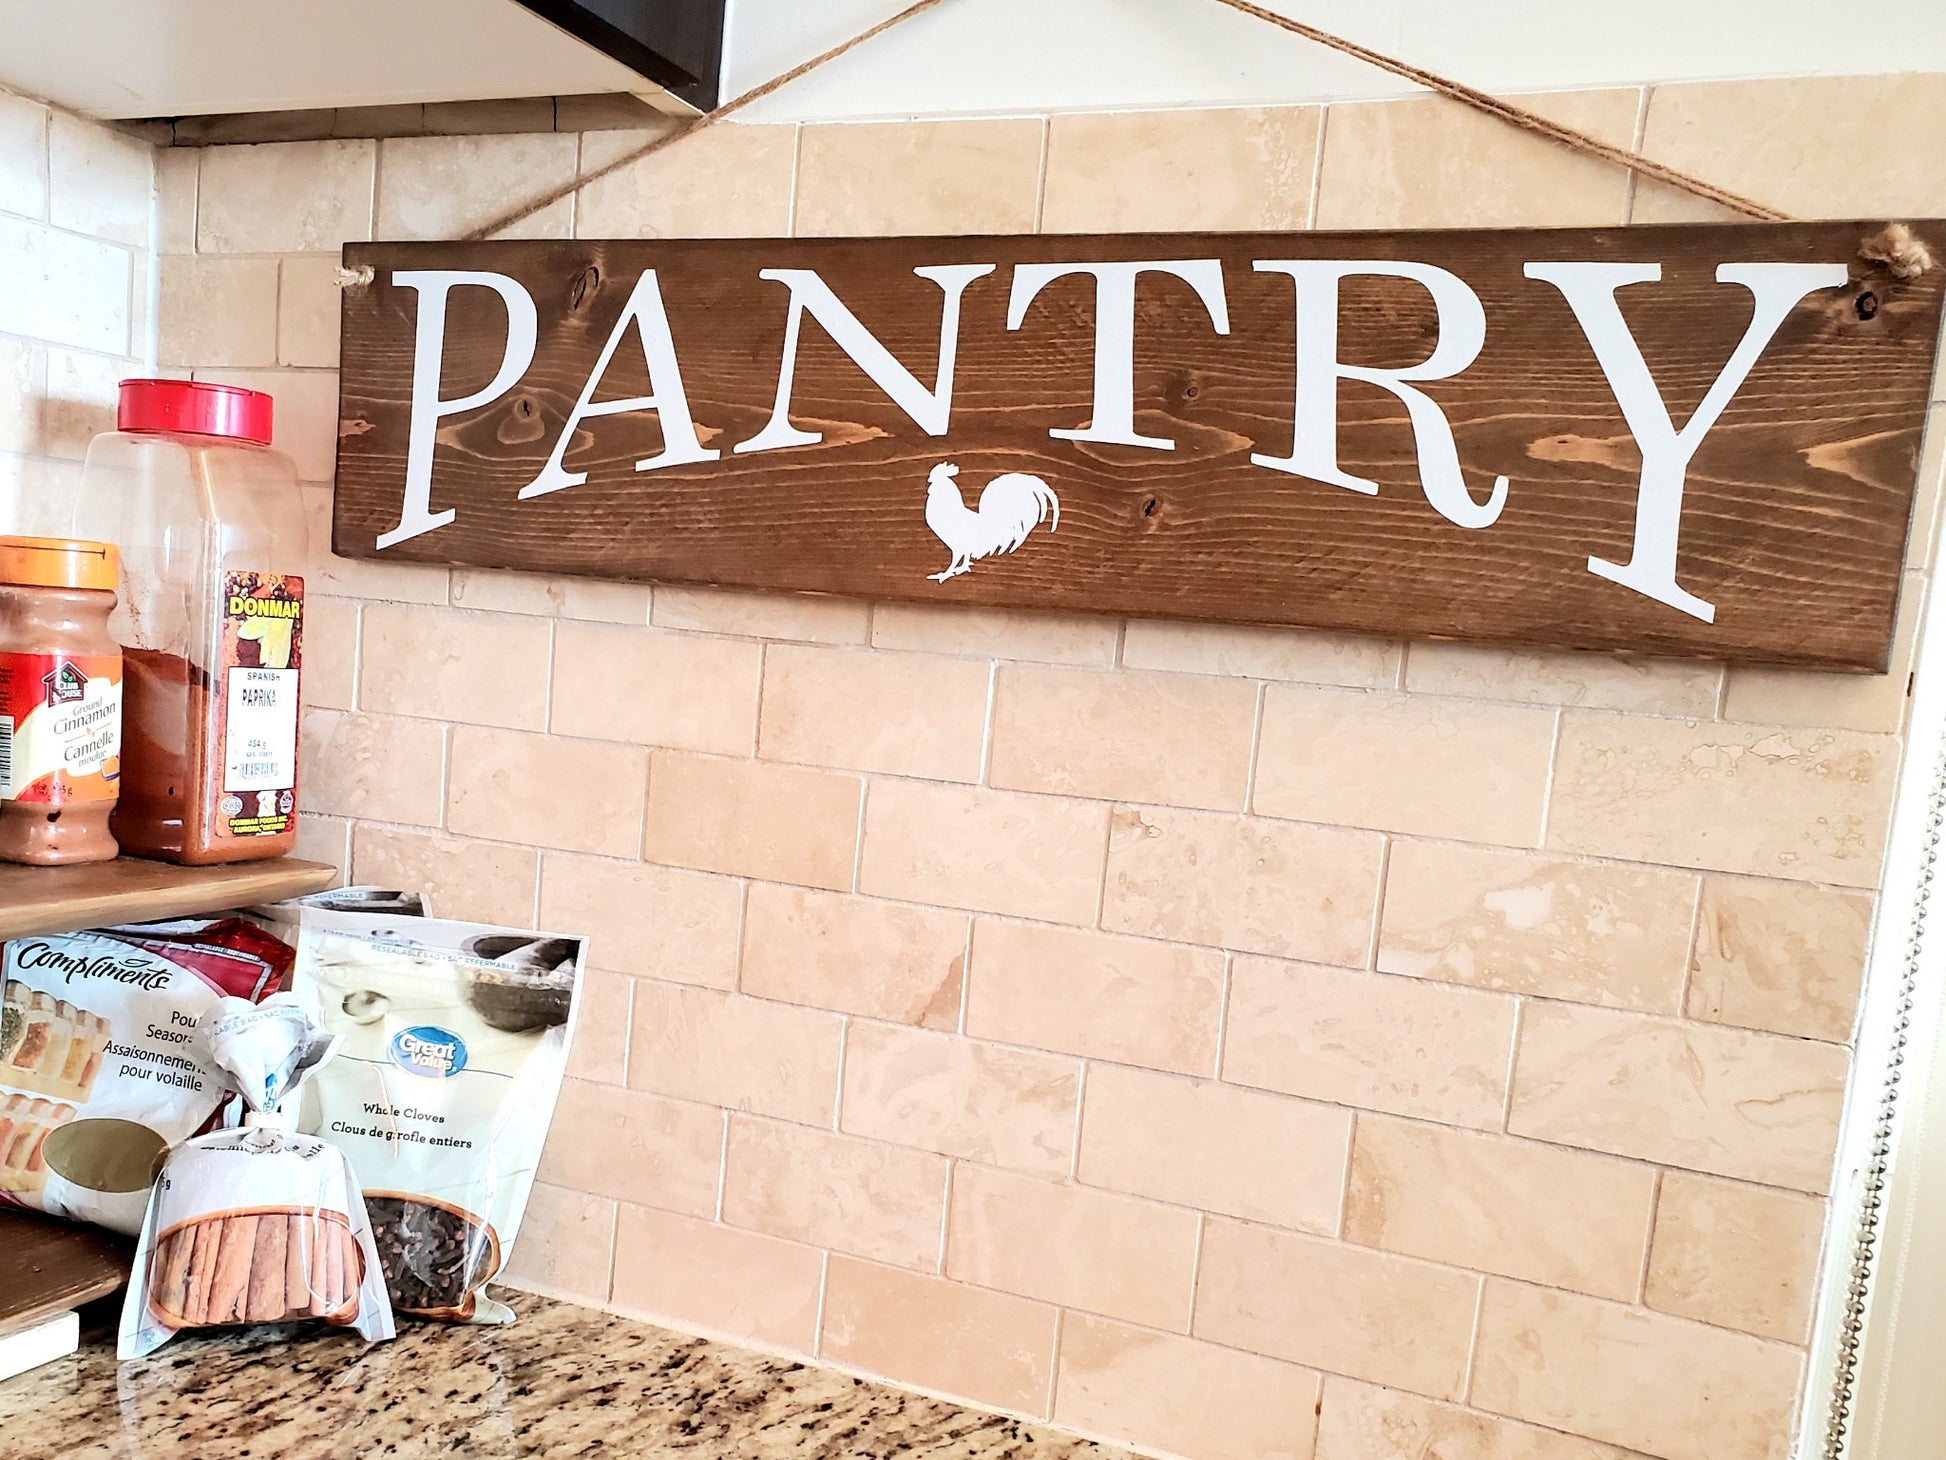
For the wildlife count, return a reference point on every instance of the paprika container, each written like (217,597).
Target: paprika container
(214,545)
(60,701)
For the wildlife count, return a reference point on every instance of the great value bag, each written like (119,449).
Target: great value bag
(100,1071)
(453,1042)
(260,1224)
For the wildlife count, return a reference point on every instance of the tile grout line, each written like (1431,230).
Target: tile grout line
(1513,1063)
(722,1167)
(945,1216)
(1080,1110)
(987,725)
(1473,1340)
(1054,1365)
(838,1095)
(1374,940)
(824,1290)
(1648,1240)
(1631,181)
(1223,1011)
(1547,785)
(1344,1181)
(1317,170)
(1040,211)
(1259,705)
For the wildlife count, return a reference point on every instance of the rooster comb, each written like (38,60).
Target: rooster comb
(945,469)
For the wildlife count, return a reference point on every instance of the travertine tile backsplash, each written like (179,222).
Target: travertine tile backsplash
(1250,1045)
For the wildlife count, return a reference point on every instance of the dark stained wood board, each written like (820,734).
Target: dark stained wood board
(1794,519)
(47,1267)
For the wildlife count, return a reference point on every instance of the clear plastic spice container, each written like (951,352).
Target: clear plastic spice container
(214,544)
(60,701)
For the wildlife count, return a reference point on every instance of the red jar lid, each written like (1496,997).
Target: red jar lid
(194,406)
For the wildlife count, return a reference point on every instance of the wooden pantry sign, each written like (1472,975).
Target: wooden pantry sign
(1694,440)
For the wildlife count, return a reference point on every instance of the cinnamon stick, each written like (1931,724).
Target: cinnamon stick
(264,1300)
(233,1261)
(172,1272)
(297,1263)
(204,1237)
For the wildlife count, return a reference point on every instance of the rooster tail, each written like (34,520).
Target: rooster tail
(1049,504)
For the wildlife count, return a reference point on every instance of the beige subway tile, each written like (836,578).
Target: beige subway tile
(1189,1398)
(805,617)
(1232,882)
(980,175)
(635,1147)
(1433,163)
(472,668)
(1564,1218)
(478,881)
(1005,1107)
(1803,144)
(305,424)
(1089,993)
(1592,932)
(1235,168)
(499,591)
(444,187)
(80,293)
(285,197)
(566,1239)
(1353,660)
(1407,763)
(23,383)
(996,633)
(37,495)
(697,1275)
(600,1049)
(1780,956)
(572,795)
(1592,681)
(1364,1422)
(942,1336)
(1757,1106)
(678,690)
(1070,1245)
(1929,492)
(100,181)
(218,311)
(1661,1385)
(324,839)
(748,818)
(330,647)
(993,851)
(308,305)
(1370,1040)
(175,198)
(79,403)
(1166,738)
(722,182)
(379,767)
(1202,1144)
(1313,1301)
(23,156)
(719,1048)
(1873,702)
(835,1191)
(361,578)
(880,959)
(1736,1256)
(662,922)
(900,714)
(1807,804)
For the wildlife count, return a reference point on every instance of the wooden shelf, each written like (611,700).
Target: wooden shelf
(130,890)
(48,1267)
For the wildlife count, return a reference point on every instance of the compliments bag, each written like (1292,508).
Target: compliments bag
(453,1039)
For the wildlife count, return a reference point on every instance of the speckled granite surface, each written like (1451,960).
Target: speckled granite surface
(563,1381)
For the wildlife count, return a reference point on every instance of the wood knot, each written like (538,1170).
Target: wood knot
(1898,250)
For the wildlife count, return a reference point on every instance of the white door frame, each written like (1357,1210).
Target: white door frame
(1876,1381)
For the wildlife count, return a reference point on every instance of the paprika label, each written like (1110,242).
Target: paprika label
(60,727)
(263,631)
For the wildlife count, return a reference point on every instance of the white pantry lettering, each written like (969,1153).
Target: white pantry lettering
(1458,336)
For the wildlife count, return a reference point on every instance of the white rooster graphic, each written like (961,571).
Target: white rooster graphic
(1012,505)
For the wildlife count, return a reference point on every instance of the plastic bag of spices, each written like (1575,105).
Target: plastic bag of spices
(455,1039)
(258,1224)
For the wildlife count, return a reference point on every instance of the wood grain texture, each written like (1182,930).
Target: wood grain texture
(40,900)
(47,1267)
(1794,521)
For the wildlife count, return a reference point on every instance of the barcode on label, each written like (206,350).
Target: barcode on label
(6,757)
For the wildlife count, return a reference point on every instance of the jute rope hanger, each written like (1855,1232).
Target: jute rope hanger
(1503,111)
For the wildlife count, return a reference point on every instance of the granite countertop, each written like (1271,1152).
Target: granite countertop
(563,1381)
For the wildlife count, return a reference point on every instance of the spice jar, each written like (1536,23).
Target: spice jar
(214,543)
(60,701)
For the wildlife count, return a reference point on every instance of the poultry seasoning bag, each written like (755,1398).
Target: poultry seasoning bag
(100,1072)
(260,1224)
(454,1039)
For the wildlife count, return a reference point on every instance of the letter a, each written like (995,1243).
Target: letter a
(645,313)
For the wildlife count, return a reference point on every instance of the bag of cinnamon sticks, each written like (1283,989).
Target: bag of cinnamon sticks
(259,1224)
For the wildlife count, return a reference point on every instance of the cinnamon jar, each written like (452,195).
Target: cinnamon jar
(60,701)
(214,545)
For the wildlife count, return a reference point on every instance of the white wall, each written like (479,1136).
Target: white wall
(974,56)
